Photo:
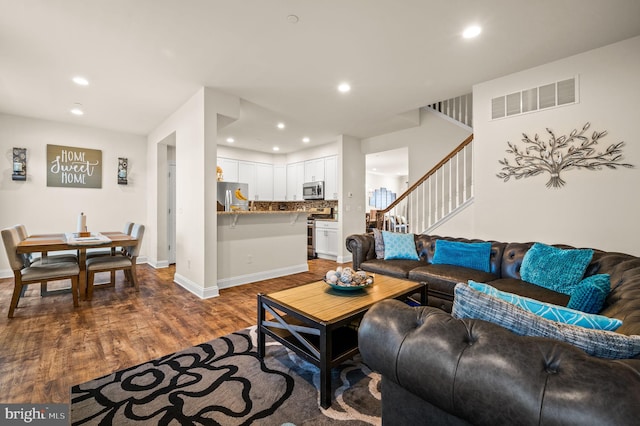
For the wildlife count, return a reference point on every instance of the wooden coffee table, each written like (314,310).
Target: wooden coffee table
(317,321)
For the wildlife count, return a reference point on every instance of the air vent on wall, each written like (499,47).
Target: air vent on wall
(560,93)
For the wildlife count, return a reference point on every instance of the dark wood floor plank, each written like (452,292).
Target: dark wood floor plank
(50,346)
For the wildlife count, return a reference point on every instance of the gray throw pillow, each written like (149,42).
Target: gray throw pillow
(379,243)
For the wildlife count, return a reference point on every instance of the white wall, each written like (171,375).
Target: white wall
(351,192)
(45,209)
(598,209)
(428,143)
(195,127)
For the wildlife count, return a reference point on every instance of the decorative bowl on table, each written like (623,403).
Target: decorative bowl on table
(347,279)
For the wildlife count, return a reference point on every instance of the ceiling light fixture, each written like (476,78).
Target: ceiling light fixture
(230,140)
(292,19)
(77,109)
(344,87)
(275,148)
(472,31)
(280,125)
(80,81)
(306,140)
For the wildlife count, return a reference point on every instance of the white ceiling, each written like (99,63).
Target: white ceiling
(144,58)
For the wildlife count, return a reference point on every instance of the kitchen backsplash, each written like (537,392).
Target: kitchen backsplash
(292,205)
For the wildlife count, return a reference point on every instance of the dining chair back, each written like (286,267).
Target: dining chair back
(25,274)
(126,262)
(128,227)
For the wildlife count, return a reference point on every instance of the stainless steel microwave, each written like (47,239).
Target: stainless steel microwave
(313,190)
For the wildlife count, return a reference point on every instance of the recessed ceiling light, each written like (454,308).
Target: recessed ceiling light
(80,81)
(230,140)
(472,31)
(306,139)
(275,148)
(77,109)
(344,87)
(280,125)
(292,19)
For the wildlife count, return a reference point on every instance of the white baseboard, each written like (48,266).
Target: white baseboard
(6,273)
(259,276)
(192,287)
(158,264)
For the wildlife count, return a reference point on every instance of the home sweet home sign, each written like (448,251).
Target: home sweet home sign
(74,167)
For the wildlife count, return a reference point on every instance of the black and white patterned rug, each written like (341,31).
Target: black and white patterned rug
(224,382)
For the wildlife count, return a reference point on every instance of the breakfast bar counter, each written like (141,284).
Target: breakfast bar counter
(258,245)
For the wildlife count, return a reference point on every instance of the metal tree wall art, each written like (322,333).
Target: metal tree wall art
(575,151)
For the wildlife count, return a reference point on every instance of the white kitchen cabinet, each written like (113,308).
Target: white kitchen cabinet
(331,177)
(229,169)
(247,174)
(314,170)
(279,183)
(264,182)
(326,239)
(295,179)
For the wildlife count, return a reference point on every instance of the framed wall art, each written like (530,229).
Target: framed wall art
(74,167)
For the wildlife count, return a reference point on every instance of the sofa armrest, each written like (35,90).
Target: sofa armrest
(362,247)
(486,375)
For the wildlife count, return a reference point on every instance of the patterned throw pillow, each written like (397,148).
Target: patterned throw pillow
(378,243)
(399,246)
(470,255)
(549,311)
(590,294)
(554,268)
(469,303)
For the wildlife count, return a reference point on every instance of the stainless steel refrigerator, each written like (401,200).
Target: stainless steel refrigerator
(233,195)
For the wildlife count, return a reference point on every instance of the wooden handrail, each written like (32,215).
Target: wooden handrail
(380,213)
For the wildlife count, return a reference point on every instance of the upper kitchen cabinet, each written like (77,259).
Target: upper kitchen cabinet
(295,179)
(314,170)
(259,176)
(279,183)
(331,178)
(229,169)
(264,182)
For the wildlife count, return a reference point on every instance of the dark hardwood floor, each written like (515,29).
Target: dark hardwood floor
(50,346)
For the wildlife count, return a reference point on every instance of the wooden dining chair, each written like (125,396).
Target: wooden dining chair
(126,262)
(29,259)
(25,274)
(114,251)
(128,227)
(47,258)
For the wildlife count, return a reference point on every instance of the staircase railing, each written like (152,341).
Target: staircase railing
(436,196)
(459,109)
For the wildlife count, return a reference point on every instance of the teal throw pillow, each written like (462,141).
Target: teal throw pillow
(399,246)
(549,311)
(470,255)
(590,294)
(554,268)
(469,303)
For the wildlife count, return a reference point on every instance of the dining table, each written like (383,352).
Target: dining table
(47,243)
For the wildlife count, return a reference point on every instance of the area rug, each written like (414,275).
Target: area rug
(224,382)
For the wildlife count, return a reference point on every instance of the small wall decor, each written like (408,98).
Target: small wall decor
(122,171)
(558,154)
(74,167)
(19,164)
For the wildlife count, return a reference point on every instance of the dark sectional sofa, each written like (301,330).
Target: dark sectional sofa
(439,370)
